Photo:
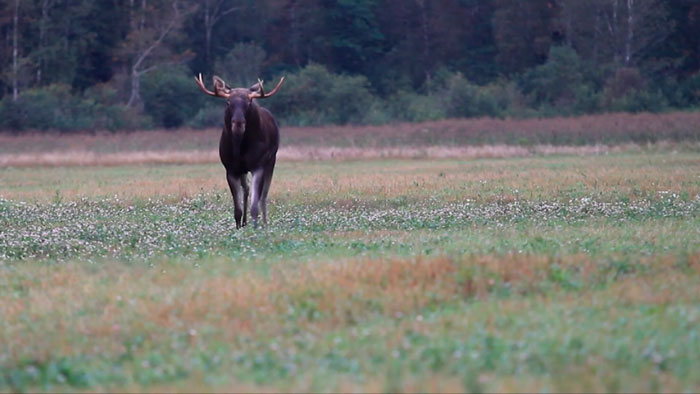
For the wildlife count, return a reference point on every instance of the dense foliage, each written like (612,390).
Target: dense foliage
(84,65)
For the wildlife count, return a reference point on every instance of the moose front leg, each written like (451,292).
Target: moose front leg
(235,183)
(245,180)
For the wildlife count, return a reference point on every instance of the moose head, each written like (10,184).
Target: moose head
(239,100)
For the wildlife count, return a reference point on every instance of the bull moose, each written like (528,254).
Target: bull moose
(248,144)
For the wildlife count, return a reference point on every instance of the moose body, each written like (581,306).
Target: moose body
(248,145)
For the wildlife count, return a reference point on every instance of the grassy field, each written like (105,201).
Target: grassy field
(541,273)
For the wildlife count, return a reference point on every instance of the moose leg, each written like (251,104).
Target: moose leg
(267,180)
(257,192)
(246,194)
(235,184)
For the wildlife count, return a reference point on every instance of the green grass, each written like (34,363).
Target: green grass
(548,274)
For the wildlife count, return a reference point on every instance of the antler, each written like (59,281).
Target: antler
(261,94)
(217,89)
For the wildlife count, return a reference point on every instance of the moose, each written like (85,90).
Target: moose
(248,144)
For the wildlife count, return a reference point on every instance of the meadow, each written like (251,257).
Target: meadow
(563,270)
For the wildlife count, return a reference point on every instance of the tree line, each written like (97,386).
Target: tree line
(127,64)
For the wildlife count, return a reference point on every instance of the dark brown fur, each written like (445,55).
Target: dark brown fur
(248,144)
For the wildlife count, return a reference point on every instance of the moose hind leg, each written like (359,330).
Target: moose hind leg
(235,184)
(267,180)
(256,194)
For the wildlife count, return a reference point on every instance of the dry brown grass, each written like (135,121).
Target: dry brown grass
(588,129)
(466,138)
(87,158)
(633,176)
(608,129)
(298,153)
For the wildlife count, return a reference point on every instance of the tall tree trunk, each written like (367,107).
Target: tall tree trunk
(139,67)
(295,34)
(630,32)
(208,27)
(615,33)
(426,46)
(596,35)
(212,15)
(566,11)
(135,97)
(15,52)
(45,5)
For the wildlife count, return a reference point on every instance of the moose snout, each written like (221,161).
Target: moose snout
(238,125)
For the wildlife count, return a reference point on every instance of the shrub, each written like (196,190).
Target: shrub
(691,90)
(647,100)
(560,83)
(626,90)
(211,115)
(588,99)
(377,113)
(624,82)
(314,96)
(170,97)
(242,65)
(38,108)
(682,94)
(464,100)
(10,115)
(412,107)
(54,107)
(461,97)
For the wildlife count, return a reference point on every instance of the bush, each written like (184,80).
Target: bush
(465,100)
(377,113)
(42,109)
(242,65)
(10,115)
(682,94)
(461,97)
(691,91)
(646,100)
(170,97)
(314,96)
(208,116)
(412,107)
(54,107)
(559,84)
(626,81)
(627,91)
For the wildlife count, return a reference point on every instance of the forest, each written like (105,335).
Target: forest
(82,65)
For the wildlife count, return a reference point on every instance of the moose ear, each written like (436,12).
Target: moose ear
(220,85)
(255,87)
